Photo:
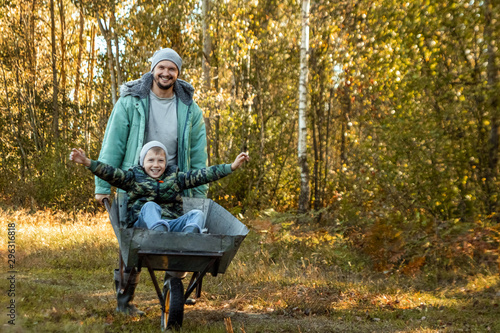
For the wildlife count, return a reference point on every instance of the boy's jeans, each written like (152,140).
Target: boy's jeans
(150,218)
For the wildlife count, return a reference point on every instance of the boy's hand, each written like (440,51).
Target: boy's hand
(78,156)
(239,160)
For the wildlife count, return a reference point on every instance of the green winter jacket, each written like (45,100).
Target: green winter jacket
(165,191)
(126,128)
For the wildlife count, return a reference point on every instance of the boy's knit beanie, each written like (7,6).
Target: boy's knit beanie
(166,54)
(147,147)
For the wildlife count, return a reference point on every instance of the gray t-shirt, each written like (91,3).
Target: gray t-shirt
(162,124)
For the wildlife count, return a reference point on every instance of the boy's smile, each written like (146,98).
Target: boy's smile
(155,163)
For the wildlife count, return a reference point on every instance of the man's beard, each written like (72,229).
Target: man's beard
(162,86)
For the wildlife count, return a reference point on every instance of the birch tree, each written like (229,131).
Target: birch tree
(302,144)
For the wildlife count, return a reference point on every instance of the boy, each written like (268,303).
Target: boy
(154,189)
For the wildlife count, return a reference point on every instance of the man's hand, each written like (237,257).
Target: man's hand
(78,156)
(239,160)
(100,198)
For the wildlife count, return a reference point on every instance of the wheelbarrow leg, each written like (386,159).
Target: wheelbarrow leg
(197,278)
(153,278)
(198,288)
(198,284)
(188,300)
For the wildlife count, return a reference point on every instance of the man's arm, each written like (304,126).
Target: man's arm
(198,144)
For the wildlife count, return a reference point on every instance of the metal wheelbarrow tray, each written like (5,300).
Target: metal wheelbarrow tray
(180,252)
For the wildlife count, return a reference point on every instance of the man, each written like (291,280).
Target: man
(156,107)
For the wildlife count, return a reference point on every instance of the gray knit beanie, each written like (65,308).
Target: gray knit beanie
(166,54)
(147,147)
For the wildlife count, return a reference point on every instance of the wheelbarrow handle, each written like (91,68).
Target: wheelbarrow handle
(106,203)
(121,285)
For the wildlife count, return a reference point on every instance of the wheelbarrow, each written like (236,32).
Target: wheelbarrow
(179,252)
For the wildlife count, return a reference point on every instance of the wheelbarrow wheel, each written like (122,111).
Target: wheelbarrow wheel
(173,294)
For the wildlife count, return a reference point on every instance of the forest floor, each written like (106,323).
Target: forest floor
(283,279)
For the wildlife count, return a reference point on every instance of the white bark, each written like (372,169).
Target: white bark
(302,138)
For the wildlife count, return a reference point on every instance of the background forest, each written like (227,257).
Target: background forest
(402,110)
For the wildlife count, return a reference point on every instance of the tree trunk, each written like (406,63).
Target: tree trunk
(316,154)
(89,97)
(317,111)
(32,79)
(208,133)
(214,47)
(13,126)
(328,121)
(78,70)
(217,129)
(205,61)
(346,111)
(18,128)
(302,136)
(247,106)
(117,49)
(55,88)
(107,36)
(492,74)
(207,45)
(63,111)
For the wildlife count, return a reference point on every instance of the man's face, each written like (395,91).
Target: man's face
(155,163)
(165,74)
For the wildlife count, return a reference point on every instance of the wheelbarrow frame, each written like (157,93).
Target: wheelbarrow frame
(180,252)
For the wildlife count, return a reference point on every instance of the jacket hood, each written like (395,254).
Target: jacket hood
(141,87)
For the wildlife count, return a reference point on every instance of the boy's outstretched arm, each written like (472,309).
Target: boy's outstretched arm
(114,176)
(239,160)
(194,178)
(78,156)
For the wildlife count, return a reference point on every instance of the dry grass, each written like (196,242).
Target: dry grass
(284,279)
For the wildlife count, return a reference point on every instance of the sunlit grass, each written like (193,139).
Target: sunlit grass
(284,278)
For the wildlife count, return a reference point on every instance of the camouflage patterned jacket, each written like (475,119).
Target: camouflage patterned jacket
(165,191)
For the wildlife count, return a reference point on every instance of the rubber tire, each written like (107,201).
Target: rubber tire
(173,294)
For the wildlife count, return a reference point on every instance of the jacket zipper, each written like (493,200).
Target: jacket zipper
(158,190)
(184,133)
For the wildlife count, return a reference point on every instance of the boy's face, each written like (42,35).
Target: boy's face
(155,163)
